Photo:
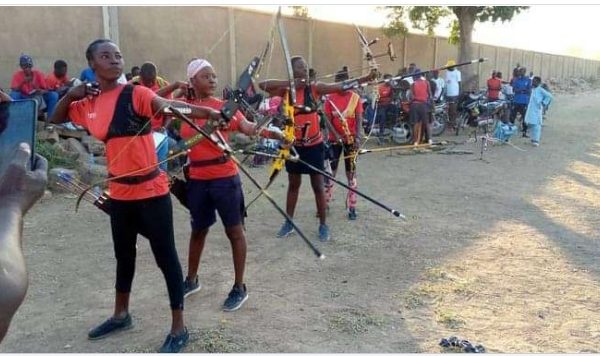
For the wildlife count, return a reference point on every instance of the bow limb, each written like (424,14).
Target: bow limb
(223,146)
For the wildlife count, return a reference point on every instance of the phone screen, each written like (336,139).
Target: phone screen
(17,124)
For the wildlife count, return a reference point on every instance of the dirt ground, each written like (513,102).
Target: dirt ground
(504,254)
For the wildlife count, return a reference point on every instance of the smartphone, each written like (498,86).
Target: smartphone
(17,124)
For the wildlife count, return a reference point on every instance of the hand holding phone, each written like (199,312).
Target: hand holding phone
(20,186)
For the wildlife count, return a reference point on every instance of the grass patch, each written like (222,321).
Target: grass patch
(55,157)
(212,341)
(449,319)
(354,322)
(413,300)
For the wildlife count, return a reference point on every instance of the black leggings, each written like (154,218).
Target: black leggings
(153,218)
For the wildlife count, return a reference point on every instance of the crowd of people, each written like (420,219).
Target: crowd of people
(126,110)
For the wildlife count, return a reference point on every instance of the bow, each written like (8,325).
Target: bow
(289,100)
(222,144)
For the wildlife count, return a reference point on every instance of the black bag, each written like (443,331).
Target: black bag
(178,188)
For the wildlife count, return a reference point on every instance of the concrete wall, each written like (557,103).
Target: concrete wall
(47,34)
(171,35)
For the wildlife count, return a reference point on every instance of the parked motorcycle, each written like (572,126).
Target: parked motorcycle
(478,113)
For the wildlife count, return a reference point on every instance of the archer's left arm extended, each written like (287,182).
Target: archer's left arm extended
(249,128)
(160,104)
(328,88)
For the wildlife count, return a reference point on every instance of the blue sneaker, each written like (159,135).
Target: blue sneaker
(352,214)
(175,343)
(286,229)
(191,286)
(323,233)
(236,298)
(109,327)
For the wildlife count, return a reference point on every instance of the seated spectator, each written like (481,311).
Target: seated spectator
(29,83)
(149,77)
(88,75)
(135,71)
(58,80)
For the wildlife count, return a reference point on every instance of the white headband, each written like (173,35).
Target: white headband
(195,66)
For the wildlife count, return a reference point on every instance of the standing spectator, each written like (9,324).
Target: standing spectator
(494,86)
(419,109)
(522,89)
(386,107)
(540,98)
(453,80)
(440,85)
(29,83)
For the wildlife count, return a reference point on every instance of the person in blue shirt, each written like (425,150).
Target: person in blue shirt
(540,98)
(522,89)
(88,75)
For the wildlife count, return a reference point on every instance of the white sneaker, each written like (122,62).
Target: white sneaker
(535,144)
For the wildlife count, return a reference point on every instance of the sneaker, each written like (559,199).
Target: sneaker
(352,214)
(109,327)
(535,144)
(191,286)
(175,343)
(236,298)
(430,142)
(286,229)
(323,233)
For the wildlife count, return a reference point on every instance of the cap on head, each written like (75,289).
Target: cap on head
(195,66)
(450,62)
(25,61)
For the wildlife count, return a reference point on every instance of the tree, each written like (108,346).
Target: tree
(463,21)
(300,11)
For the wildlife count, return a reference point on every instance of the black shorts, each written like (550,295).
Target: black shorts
(335,152)
(224,195)
(313,155)
(419,112)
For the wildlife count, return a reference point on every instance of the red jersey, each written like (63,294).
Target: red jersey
(206,150)
(313,132)
(420,91)
(385,94)
(494,87)
(38,81)
(54,83)
(342,102)
(123,154)
(157,121)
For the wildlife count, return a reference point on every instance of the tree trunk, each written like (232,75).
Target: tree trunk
(466,20)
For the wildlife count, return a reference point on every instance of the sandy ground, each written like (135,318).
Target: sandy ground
(503,253)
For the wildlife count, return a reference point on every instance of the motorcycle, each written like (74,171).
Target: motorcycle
(477,112)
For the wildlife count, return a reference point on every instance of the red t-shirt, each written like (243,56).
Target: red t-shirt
(420,91)
(38,81)
(206,150)
(157,121)
(341,101)
(123,154)
(494,87)
(385,94)
(313,132)
(54,83)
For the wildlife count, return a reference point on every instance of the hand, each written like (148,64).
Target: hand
(373,74)
(81,91)
(19,186)
(181,85)
(286,142)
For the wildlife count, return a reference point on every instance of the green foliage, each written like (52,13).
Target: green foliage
(426,18)
(300,11)
(55,157)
